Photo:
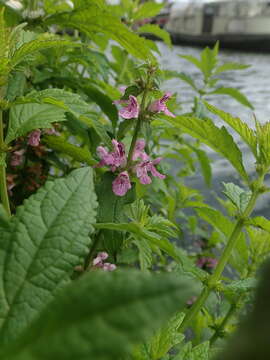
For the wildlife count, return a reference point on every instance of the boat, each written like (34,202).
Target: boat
(236,24)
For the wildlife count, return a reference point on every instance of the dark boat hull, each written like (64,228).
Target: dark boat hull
(243,42)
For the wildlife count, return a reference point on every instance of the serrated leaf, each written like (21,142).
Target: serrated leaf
(34,46)
(27,117)
(69,102)
(261,222)
(188,79)
(102,316)
(246,133)
(162,243)
(157,31)
(229,67)
(239,287)
(217,138)
(235,94)
(147,10)
(96,20)
(239,197)
(48,237)
(208,61)
(193,60)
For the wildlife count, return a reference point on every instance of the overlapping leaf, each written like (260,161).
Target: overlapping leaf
(102,315)
(47,237)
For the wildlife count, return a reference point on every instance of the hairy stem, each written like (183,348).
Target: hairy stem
(3,177)
(139,121)
(214,279)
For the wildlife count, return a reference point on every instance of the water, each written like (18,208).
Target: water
(253,82)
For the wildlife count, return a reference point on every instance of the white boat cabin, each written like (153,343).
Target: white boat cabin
(221,17)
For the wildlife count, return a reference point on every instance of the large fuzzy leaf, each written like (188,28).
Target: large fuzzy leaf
(68,102)
(27,117)
(102,315)
(217,138)
(36,45)
(47,237)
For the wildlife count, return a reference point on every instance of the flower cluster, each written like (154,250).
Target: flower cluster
(141,165)
(98,262)
(132,108)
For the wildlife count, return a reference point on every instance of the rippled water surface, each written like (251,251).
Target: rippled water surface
(254,82)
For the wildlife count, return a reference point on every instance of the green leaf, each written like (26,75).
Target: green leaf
(34,46)
(217,138)
(157,31)
(69,102)
(48,237)
(188,79)
(229,67)
(96,20)
(16,85)
(234,93)
(208,61)
(239,287)
(239,197)
(59,143)
(147,10)
(103,101)
(161,242)
(27,117)
(111,210)
(246,133)
(102,316)
(205,164)
(193,60)
(261,222)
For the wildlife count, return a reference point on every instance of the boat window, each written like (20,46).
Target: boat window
(266,10)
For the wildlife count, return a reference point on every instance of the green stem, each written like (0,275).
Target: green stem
(139,122)
(224,322)
(214,279)
(3,177)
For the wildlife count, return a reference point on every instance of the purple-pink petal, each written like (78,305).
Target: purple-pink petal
(121,184)
(139,151)
(160,105)
(131,110)
(34,138)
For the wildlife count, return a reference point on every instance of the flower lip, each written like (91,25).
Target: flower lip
(121,184)
(132,108)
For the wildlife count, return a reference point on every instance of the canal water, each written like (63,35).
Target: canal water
(254,82)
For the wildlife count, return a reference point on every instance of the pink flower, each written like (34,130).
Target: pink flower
(34,138)
(17,157)
(160,105)
(121,184)
(144,167)
(206,262)
(122,89)
(98,260)
(132,108)
(115,159)
(109,267)
(139,151)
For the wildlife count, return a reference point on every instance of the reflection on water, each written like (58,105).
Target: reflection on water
(254,82)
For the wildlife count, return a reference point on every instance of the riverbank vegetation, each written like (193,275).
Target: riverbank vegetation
(96,208)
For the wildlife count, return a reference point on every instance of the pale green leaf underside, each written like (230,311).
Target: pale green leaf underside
(48,236)
(102,315)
